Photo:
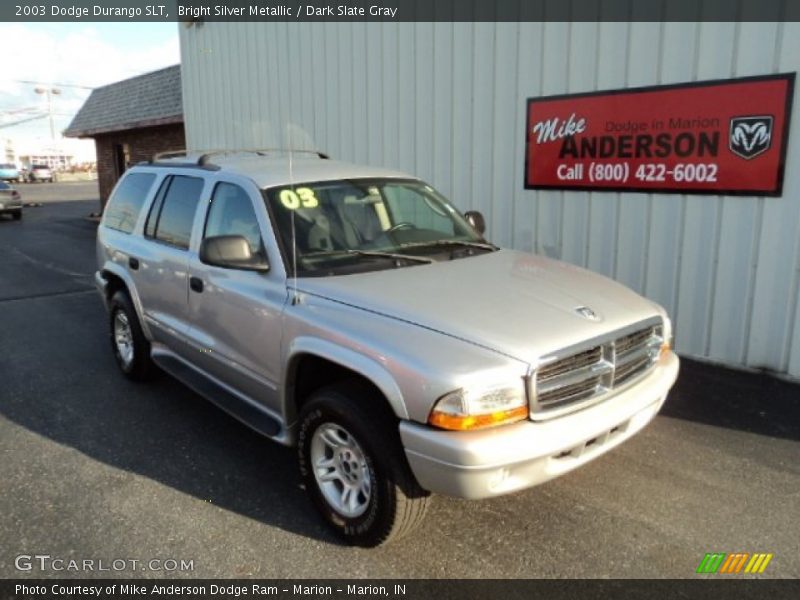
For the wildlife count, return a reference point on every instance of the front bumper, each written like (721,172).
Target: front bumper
(508,458)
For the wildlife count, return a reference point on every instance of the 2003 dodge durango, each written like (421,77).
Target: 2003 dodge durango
(354,313)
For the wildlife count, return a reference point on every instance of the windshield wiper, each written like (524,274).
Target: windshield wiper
(396,256)
(469,244)
(375,253)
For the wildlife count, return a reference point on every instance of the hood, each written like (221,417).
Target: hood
(518,304)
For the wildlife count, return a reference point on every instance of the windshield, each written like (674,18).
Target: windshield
(346,226)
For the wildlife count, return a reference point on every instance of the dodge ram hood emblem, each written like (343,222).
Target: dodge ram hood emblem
(750,136)
(587,313)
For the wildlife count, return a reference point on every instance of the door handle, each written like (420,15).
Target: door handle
(133,263)
(196,284)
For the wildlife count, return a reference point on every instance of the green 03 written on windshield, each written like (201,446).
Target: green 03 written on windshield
(349,226)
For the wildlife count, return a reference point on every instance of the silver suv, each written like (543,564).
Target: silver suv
(40,173)
(354,313)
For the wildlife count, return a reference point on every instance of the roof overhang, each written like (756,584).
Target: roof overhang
(91,133)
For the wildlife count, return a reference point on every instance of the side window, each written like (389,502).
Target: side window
(155,209)
(231,213)
(125,204)
(174,210)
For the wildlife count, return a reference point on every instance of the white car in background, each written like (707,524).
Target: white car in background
(39,173)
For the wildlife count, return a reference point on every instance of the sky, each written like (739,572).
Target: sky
(81,54)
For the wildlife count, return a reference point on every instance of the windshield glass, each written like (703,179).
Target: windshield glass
(346,226)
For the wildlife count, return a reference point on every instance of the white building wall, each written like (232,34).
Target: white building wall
(446,102)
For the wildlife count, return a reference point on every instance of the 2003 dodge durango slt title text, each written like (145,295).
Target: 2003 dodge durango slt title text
(354,313)
(197,12)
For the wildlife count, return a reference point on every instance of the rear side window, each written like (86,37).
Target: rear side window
(126,203)
(172,215)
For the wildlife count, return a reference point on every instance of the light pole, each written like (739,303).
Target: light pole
(49,92)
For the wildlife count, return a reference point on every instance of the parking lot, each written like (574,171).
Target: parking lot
(96,467)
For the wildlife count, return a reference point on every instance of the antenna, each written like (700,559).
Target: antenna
(294,233)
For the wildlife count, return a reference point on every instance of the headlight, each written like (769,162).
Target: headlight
(477,408)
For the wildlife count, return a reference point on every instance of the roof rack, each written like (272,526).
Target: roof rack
(159,157)
(167,154)
(204,160)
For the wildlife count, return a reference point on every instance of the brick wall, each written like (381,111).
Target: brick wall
(143,143)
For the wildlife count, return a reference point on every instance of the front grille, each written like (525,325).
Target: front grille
(564,383)
(571,363)
(633,340)
(569,393)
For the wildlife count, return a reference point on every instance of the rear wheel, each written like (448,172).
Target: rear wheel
(130,346)
(17,214)
(353,466)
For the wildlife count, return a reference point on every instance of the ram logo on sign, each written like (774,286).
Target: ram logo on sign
(750,136)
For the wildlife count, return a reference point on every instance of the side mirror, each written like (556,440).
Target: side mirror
(231,252)
(477,221)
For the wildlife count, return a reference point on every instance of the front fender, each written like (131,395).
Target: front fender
(361,364)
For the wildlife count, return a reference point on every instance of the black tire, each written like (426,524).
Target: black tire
(17,214)
(397,504)
(140,367)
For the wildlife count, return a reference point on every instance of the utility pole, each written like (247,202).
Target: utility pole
(49,92)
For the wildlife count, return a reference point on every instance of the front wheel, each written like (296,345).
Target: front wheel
(17,215)
(354,468)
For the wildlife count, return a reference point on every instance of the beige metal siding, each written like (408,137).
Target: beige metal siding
(446,101)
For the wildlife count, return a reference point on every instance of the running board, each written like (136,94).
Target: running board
(246,412)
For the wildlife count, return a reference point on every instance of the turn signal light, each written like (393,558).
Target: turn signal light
(469,422)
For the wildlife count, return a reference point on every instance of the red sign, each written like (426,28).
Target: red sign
(715,137)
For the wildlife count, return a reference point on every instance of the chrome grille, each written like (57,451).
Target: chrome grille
(571,363)
(572,392)
(564,383)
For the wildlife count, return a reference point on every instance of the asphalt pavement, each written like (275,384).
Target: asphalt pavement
(95,467)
